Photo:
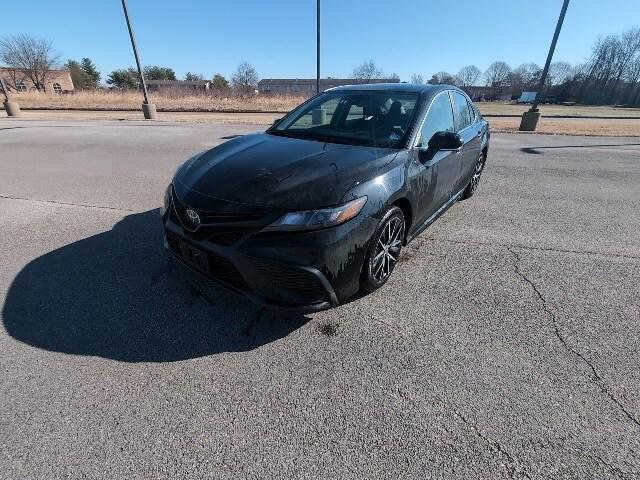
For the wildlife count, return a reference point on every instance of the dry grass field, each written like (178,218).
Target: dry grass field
(606,127)
(129,100)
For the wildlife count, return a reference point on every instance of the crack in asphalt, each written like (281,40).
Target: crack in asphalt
(55,202)
(617,471)
(527,247)
(595,376)
(512,465)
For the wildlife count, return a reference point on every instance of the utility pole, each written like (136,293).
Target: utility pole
(530,118)
(12,108)
(317,46)
(149,109)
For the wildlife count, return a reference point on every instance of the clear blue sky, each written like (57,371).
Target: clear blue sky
(278,36)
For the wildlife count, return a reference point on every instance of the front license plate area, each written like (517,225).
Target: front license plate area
(194,257)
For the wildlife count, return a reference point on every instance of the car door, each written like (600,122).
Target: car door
(434,171)
(471,135)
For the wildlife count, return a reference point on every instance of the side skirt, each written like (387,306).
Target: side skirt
(435,216)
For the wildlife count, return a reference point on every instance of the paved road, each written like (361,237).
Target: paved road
(505,346)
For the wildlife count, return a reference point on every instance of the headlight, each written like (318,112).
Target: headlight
(320,218)
(166,203)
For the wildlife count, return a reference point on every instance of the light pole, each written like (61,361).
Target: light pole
(530,118)
(12,108)
(317,46)
(149,109)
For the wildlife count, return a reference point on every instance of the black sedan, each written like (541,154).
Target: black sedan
(319,206)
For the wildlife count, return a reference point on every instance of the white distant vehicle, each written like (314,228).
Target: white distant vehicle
(527,97)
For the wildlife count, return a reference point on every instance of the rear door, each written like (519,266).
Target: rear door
(434,172)
(465,120)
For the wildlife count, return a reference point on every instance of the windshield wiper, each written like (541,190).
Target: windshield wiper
(283,133)
(321,137)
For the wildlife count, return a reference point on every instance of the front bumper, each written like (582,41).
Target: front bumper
(302,271)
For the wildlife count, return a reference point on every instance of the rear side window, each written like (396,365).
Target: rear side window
(464,116)
(439,118)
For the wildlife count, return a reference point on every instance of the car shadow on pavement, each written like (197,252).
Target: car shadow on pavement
(535,150)
(119,296)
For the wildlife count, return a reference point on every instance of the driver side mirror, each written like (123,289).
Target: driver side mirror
(276,121)
(445,141)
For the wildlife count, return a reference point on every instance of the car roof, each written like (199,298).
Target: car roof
(396,87)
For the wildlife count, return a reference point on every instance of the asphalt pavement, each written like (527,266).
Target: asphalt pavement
(506,344)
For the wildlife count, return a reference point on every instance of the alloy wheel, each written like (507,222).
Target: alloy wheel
(477,171)
(387,249)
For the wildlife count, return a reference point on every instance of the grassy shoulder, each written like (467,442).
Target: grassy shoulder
(548,125)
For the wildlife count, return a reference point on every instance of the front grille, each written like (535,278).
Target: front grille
(220,268)
(212,218)
(208,217)
(173,240)
(300,282)
(226,238)
(223,270)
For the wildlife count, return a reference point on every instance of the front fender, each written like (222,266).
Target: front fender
(381,190)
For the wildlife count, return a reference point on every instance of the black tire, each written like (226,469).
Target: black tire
(384,250)
(474,181)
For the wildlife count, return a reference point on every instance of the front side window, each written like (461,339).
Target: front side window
(374,118)
(439,118)
(463,114)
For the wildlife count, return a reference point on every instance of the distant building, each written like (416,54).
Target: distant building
(57,81)
(182,86)
(307,86)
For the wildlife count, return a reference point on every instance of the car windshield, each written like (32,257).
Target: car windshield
(355,117)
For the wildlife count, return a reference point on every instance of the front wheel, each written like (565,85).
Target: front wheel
(472,186)
(384,250)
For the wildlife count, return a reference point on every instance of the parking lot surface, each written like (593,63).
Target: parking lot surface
(506,344)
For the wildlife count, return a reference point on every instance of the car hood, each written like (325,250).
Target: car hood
(274,172)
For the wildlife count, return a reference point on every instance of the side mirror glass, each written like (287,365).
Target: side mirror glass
(445,141)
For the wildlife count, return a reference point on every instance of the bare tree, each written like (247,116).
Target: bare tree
(498,72)
(33,57)
(528,74)
(496,76)
(245,78)
(629,48)
(417,78)
(367,71)
(468,76)
(442,78)
(600,68)
(632,77)
(559,73)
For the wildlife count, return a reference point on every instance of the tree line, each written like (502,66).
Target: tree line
(27,57)
(611,75)
(244,80)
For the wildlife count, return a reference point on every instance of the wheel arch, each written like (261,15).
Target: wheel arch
(404,204)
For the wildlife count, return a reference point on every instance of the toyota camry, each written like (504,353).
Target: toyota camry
(319,207)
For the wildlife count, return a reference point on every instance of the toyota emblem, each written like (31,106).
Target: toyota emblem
(193,216)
